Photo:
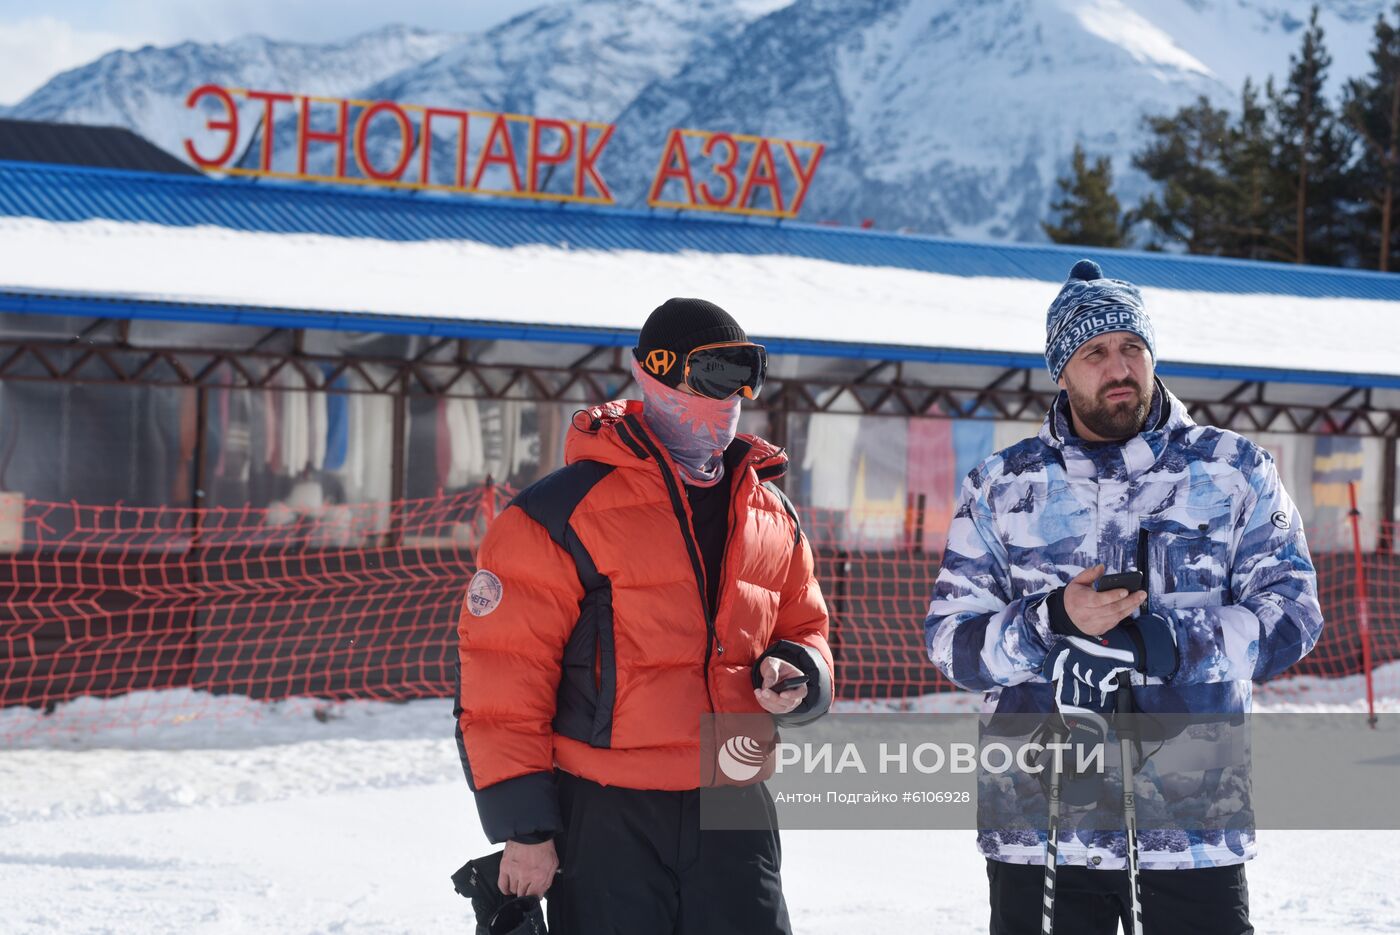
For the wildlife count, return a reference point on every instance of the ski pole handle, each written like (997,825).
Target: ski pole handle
(1124,701)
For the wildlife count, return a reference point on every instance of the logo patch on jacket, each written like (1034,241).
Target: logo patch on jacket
(484,593)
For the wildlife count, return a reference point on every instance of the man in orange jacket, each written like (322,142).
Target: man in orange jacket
(658,578)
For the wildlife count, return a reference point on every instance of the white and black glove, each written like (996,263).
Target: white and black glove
(1084,669)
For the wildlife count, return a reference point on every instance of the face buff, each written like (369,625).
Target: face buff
(694,429)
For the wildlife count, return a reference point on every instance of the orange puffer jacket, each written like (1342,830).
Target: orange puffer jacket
(585,637)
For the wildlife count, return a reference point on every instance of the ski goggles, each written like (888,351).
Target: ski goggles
(720,371)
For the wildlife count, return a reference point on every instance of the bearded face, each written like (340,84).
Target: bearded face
(1110,386)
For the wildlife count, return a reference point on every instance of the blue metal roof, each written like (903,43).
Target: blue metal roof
(86,306)
(63,193)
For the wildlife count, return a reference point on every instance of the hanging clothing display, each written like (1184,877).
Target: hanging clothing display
(317,426)
(272,402)
(467,463)
(1337,462)
(357,445)
(337,427)
(442,445)
(186,400)
(233,432)
(296,433)
(829,461)
(215,431)
(931,473)
(500,438)
(374,455)
(973,441)
(551,424)
(879,506)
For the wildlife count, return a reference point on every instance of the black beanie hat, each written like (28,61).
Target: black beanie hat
(676,328)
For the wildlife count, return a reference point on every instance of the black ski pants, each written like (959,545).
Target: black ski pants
(635,862)
(1210,901)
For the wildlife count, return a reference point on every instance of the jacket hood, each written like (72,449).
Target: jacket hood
(616,433)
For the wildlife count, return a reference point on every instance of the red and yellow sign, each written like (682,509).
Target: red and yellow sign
(518,148)
(739,173)
(496,154)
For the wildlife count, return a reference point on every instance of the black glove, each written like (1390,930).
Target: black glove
(497,913)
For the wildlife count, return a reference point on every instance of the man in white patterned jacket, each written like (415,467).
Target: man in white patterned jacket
(1120,477)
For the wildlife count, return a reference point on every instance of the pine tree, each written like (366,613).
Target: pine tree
(1186,153)
(1252,228)
(1304,125)
(1336,207)
(1371,108)
(1088,211)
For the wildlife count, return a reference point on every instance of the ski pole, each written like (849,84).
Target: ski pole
(1047,921)
(1125,744)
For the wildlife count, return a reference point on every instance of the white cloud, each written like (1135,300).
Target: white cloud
(33,50)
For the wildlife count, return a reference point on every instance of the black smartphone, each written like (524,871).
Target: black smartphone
(1132,580)
(789,684)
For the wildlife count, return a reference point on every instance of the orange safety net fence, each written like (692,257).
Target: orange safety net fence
(360,601)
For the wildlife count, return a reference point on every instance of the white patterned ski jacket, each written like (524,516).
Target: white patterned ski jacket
(1227,565)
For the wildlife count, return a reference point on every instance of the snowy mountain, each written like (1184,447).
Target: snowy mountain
(1241,39)
(956,118)
(579,60)
(944,117)
(145,90)
(582,60)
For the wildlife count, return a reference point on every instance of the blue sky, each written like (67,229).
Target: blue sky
(38,40)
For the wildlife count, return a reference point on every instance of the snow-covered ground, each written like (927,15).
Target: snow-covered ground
(299,817)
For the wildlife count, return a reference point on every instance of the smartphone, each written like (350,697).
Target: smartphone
(789,684)
(1132,580)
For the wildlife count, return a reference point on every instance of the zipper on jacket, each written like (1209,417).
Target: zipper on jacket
(733,478)
(724,557)
(1142,566)
(712,613)
(674,488)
